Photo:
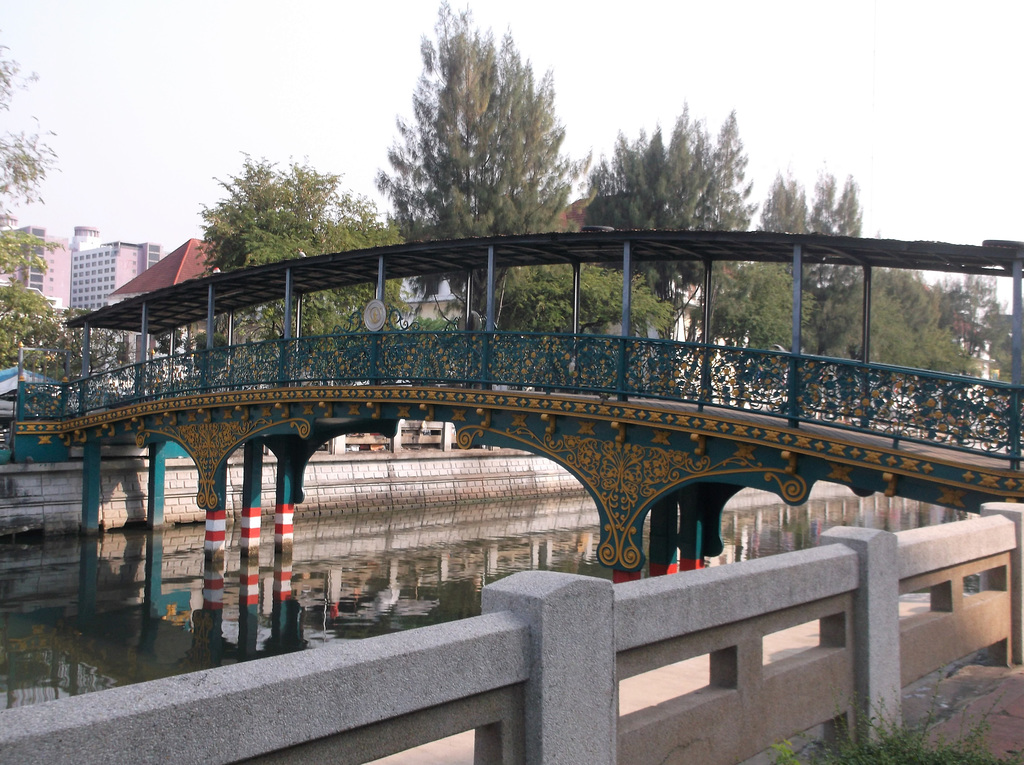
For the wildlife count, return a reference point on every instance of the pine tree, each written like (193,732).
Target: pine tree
(481,156)
(785,208)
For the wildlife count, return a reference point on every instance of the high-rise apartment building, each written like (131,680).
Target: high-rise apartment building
(55,282)
(99,269)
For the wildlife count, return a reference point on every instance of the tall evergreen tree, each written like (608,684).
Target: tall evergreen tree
(724,205)
(694,182)
(838,217)
(785,208)
(482,153)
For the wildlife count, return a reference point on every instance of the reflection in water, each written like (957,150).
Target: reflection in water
(84,615)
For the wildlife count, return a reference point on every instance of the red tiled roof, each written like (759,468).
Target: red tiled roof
(186,262)
(573,218)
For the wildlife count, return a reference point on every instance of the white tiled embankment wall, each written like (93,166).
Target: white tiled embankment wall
(49,497)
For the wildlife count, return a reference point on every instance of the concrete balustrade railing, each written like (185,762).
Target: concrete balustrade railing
(537,675)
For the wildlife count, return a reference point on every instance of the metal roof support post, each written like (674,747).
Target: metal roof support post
(793,393)
(627,304)
(576,292)
(865,343)
(469,297)
(705,337)
(489,322)
(1016,308)
(380,278)
(1015,342)
(627,288)
(490,288)
(140,353)
(231,330)
(288,304)
(144,332)
(210,301)
(798,294)
(85,349)
(298,315)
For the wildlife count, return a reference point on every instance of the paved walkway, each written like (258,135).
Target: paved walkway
(965,695)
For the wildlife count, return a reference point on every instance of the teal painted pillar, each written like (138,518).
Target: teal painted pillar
(155,496)
(91,487)
(663,550)
(284,508)
(700,521)
(691,536)
(252,489)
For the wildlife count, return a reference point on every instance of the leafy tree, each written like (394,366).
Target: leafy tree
(538,299)
(25,158)
(26,317)
(753,305)
(905,324)
(970,310)
(481,156)
(269,215)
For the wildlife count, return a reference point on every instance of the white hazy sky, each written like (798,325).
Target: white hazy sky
(149,103)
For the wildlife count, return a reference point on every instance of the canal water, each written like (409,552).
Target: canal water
(129,606)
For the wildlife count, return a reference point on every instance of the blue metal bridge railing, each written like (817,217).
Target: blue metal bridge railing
(960,413)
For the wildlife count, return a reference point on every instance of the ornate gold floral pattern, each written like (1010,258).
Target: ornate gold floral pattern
(625,477)
(210,443)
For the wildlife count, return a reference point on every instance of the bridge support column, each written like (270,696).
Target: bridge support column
(91,487)
(691,537)
(700,521)
(155,494)
(252,488)
(663,551)
(284,507)
(216,520)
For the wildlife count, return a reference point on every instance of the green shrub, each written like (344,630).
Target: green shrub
(887,744)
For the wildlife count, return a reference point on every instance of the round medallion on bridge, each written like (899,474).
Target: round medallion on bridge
(375,315)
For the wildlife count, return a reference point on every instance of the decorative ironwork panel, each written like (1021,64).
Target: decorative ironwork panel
(43,400)
(344,359)
(115,387)
(432,357)
(525,360)
(664,369)
(941,409)
(597,362)
(256,365)
(749,379)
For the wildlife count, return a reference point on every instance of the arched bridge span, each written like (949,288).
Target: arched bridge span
(645,425)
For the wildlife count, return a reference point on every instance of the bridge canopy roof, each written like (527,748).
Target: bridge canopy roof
(187,303)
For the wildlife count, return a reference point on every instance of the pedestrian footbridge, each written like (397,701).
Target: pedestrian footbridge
(649,426)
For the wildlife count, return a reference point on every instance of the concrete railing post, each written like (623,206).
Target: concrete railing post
(1015,514)
(570,698)
(876,620)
